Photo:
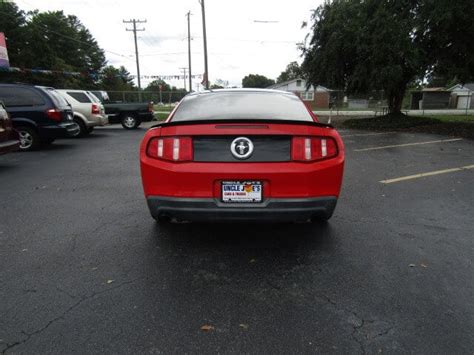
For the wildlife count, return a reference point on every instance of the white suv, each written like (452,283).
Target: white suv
(87,112)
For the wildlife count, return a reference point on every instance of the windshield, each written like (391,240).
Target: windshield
(258,105)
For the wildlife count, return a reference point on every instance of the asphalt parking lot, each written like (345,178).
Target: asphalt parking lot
(85,269)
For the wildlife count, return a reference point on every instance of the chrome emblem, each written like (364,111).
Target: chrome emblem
(241,148)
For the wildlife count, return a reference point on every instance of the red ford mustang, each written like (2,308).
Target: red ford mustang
(239,155)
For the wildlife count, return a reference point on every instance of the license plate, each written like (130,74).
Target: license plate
(242,191)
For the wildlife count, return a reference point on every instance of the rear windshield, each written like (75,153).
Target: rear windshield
(242,105)
(58,100)
(79,96)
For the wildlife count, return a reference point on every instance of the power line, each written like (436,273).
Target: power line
(135,30)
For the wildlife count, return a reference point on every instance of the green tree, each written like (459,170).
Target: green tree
(65,44)
(169,93)
(219,84)
(155,86)
(13,25)
(362,46)
(115,79)
(51,41)
(292,71)
(446,34)
(256,81)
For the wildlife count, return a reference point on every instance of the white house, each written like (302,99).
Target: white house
(317,98)
(461,96)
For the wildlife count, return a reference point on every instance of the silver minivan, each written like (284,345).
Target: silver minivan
(88,112)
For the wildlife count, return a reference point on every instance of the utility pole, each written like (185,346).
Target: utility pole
(189,51)
(134,21)
(184,76)
(206,71)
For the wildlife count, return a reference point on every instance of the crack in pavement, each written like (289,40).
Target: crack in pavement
(72,307)
(358,324)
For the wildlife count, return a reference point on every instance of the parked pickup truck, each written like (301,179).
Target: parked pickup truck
(130,115)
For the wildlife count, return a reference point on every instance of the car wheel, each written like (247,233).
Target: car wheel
(130,122)
(82,128)
(29,139)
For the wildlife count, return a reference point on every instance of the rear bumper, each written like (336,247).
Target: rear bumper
(62,130)
(271,210)
(9,146)
(71,129)
(98,121)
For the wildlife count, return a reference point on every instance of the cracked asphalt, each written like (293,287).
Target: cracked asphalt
(85,269)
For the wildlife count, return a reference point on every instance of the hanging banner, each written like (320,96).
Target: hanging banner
(3,52)
(93,75)
(41,71)
(166,77)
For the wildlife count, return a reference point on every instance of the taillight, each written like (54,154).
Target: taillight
(176,149)
(54,114)
(95,109)
(313,148)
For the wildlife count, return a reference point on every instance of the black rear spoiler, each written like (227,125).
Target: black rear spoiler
(196,122)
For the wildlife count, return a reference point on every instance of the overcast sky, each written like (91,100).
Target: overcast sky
(237,45)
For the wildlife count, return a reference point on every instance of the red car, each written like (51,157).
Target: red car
(9,140)
(240,155)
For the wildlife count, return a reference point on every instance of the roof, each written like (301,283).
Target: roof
(469,86)
(434,89)
(285,83)
(294,80)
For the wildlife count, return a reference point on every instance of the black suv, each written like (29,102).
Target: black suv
(39,114)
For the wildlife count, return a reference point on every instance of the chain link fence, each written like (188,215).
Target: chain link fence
(158,98)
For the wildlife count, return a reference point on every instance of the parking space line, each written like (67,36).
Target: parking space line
(431,173)
(366,134)
(407,144)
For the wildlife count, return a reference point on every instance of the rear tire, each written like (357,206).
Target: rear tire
(29,138)
(129,121)
(82,128)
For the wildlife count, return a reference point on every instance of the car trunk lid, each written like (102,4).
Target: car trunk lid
(271,140)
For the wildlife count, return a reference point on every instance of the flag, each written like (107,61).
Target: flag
(3,52)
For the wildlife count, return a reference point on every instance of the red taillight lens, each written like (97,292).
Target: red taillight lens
(95,109)
(313,148)
(176,149)
(54,114)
